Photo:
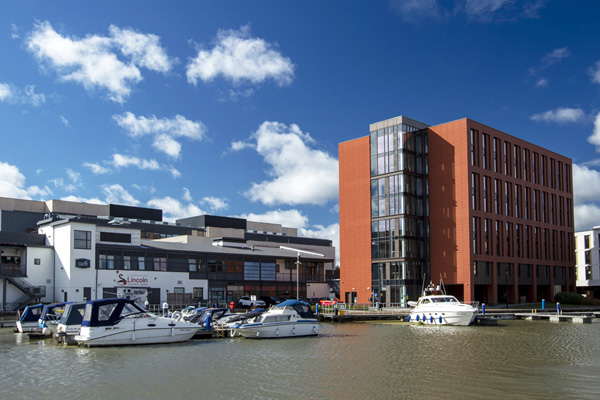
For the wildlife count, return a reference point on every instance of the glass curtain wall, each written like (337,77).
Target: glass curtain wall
(399,213)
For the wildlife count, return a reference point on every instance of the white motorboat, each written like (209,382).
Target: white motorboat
(290,318)
(48,321)
(69,323)
(120,321)
(27,321)
(437,308)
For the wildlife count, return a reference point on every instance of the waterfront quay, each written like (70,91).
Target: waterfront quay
(489,316)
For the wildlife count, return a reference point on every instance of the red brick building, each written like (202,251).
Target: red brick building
(485,213)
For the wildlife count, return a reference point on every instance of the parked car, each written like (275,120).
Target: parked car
(250,302)
(269,301)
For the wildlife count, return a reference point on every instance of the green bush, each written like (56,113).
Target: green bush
(568,298)
(590,302)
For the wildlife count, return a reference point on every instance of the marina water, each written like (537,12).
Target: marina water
(514,360)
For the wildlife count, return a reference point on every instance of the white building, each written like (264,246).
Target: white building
(587,262)
(75,257)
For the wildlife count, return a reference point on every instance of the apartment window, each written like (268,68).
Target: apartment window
(496,150)
(534,167)
(552,166)
(485,194)
(586,242)
(36,261)
(82,240)
(497,201)
(484,149)
(508,238)
(475,236)
(588,257)
(517,201)
(473,144)
(525,164)
(507,198)
(543,171)
(516,156)
(498,238)
(507,158)
(486,237)
(198,293)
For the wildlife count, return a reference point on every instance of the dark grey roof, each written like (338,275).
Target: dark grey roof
(22,239)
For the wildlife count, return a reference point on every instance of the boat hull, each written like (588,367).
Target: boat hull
(276,330)
(454,318)
(110,336)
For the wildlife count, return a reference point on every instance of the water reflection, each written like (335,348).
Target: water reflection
(518,359)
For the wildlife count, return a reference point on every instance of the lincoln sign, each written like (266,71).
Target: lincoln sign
(125,279)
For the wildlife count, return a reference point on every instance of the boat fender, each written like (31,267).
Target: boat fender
(417,317)
(431,319)
(440,319)
(408,319)
(424,318)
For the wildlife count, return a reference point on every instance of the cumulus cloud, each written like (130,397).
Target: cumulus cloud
(125,161)
(71,183)
(12,184)
(587,216)
(13,95)
(164,130)
(595,137)
(299,173)
(215,204)
(330,232)
(78,199)
(173,209)
(586,184)
(64,120)
(546,61)
(94,61)
(560,115)
(240,58)
(289,218)
(116,194)
(595,72)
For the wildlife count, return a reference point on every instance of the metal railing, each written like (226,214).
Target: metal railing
(362,308)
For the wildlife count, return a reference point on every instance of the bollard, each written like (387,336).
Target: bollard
(558,308)
(483,308)
(543,304)
(317,309)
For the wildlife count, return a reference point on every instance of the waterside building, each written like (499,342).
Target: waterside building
(485,213)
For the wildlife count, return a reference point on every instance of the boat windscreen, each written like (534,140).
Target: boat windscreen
(303,310)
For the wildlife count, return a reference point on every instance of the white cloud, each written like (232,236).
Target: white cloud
(560,115)
(71,184)
(93,61)
(240,58)
(586,216)
(12,184)
(116,194)
(288,218)
(595,137)
(586,185)
(120,161)
(215,204)
(78,199)
(173,209)
(595,72)
(64,120)
(555,56)
(300,174)
(542,82)
(97,168)
(164,130)
(13,95)
(330,232)
(187,196)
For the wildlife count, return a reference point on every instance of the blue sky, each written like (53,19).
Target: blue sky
(236,108)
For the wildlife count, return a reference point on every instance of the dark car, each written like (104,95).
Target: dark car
(269,301)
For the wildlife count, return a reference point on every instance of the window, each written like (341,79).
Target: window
(115,237)
(36,261)
(82,240)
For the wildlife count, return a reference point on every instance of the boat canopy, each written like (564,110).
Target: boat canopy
(73,314)
(51,309)
(302,308)
(31,313)
(106,312)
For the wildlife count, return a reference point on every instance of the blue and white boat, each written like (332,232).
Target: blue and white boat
(48,320)
(27,321)
(436,308)
(290,318)
(70,323)
(120,321)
